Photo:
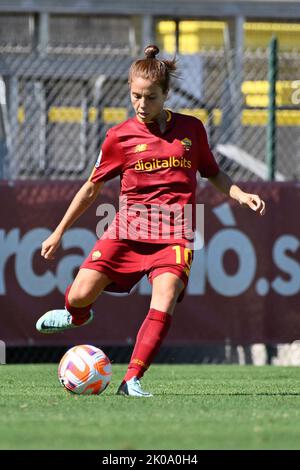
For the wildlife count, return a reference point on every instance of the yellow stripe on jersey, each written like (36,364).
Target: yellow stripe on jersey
(169,115)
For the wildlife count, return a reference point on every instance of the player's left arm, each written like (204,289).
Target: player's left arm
(224,183)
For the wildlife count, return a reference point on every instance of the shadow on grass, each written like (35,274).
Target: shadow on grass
(233,394)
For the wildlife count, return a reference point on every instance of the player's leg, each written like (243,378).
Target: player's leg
(79,298)
(166,289)
(165,292)
(81,295)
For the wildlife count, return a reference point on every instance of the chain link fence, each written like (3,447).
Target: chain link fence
(56,109)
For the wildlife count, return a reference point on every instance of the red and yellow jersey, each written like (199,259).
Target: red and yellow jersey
(156,169)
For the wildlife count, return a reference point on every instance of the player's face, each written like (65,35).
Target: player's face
(147,98)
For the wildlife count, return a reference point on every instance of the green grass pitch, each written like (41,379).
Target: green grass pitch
(194,407)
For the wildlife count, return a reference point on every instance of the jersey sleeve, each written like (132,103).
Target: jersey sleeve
(207,164)
(110,160)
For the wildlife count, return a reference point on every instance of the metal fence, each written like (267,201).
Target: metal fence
(56,109)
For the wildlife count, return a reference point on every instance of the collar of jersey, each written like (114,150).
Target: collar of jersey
(153,125)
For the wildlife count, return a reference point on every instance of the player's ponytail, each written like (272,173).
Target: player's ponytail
(158,71)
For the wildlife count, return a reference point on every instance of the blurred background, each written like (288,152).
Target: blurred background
(63,83)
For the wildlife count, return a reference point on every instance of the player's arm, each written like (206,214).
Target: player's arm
(108,165)
(80,203)
(223,183)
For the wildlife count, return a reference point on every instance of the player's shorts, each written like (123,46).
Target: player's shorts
(125,262)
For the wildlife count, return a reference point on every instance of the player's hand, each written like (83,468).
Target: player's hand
(254,202)
(50,246)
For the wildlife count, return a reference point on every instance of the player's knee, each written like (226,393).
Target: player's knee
(79,295)
(168,293)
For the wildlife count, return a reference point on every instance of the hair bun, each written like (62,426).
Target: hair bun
(151,51)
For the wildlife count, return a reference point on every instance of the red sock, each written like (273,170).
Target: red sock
(149,338)
(79,314)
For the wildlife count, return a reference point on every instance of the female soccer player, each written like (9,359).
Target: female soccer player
(157,154)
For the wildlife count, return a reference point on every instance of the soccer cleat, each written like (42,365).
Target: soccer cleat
(133,388)
(58,320)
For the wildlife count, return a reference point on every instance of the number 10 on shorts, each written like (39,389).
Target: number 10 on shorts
(185,255)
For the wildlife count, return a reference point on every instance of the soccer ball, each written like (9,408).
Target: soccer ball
(85,370)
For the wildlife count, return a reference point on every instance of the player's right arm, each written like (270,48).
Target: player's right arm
(108,165)
(80,203)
